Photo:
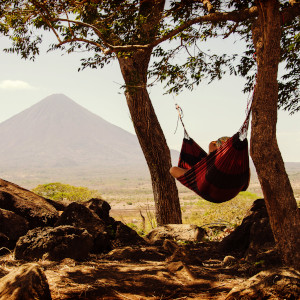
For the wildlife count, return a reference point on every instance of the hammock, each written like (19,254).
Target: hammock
(221,175)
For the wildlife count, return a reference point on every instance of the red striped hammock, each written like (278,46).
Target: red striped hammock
(220,175)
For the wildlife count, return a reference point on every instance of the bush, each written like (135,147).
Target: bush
(231,212)
(58,191)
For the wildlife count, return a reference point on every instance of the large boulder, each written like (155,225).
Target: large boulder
(27,282)
(54,244)
(178,232)
(35,209)
(101,208)
(12,225)
(278,283)
(253,235)
(79,215)
(58,205)
(123,235)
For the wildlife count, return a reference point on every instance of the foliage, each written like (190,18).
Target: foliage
(290,81)
(230,213)
(197,65)
(58,191)
(108,29)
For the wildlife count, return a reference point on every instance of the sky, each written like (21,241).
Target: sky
(210,111)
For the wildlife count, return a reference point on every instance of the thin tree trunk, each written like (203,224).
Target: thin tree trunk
(280,201)
(151,137)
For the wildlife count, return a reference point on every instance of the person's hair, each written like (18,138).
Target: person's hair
(222,140)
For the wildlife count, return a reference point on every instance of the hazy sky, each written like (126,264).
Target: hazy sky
(210,111)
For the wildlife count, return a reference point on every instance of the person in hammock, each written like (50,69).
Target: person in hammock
(177,172)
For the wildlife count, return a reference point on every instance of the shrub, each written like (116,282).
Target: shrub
(58,191)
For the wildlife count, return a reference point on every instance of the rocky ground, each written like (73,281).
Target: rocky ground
(77,251)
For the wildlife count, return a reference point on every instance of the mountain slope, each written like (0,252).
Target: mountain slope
(57,132)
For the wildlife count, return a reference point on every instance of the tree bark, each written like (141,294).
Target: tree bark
(280,201)
(151,137)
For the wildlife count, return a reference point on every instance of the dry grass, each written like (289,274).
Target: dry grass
(129,203)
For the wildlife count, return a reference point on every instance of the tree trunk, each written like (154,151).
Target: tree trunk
(280,201)
(150,135)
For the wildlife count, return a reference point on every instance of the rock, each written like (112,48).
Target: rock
(59,206)
(253,235)
(12,226)
(278,283)
(179,254)
(178,232)
(261,236)
(102,243)
(181,270)
(101,208)
(269,258)
(169,246)
(78,215)
(35,209)
(54,244)
(229,260)
(125,236)
(176,252)
(27,282)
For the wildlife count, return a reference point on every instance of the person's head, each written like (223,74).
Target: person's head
(214,145)
(222,140)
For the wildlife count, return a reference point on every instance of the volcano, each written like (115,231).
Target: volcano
(59,133)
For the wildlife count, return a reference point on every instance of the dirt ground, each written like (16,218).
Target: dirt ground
(148,273)
(144,273)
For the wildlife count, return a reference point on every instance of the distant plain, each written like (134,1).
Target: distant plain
(129,193)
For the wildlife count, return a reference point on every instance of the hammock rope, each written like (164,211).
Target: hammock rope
(180,116)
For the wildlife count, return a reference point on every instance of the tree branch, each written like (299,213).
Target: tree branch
(76,39)
(46,18)
(208,6)
(71,31)
(231,30)
(96,30)
(291,12)
(150,13)
(236,16)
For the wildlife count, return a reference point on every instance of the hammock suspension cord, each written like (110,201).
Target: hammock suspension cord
(180,116)
(243,129)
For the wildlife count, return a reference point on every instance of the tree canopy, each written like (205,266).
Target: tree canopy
(107,29)
(225,19)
